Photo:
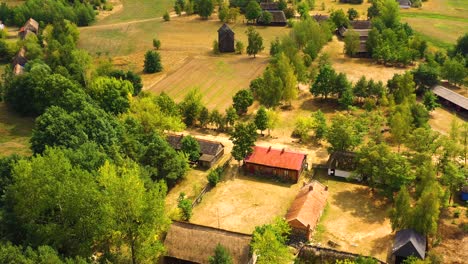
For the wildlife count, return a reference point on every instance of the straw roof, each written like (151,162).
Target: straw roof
(196,243)
(308,205)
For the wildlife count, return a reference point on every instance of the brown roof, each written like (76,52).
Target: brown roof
(307,207)
(320,17)
(32,25)
(361,24)
(197,243)
(225,29)
(207,147)
(451,96)
(269,6)
(20,57)
(277,158)
(278,16)
(343,160)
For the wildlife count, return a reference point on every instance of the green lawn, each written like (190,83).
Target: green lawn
(139,9)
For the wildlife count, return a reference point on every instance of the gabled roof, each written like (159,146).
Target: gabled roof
(269,6)
(308,205)
(278,16)
(207,147)
(361,24)
(342,160)
(197,243)
(31,24)
(276,158)
(408,242)
(225,29)
(451,96)
(404,3)
(319,17)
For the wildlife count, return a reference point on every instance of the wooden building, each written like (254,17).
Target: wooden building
(362,27)
(306,209)
(404,4)
(225,39)
(278,19)
(342,164)
(20,58)
(211,151)
(408,243)
(30,27)
(269,5)
(451,99)
(320,18)
(278,163)
(190,243)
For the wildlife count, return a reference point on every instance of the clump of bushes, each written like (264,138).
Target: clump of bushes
(215,176)
(185,206)
(166,16)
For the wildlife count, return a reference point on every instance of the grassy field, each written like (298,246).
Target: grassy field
(137,9)
(355,219)
(439,21)
(15,132)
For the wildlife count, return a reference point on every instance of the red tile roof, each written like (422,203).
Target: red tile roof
(308,205)
(276,158)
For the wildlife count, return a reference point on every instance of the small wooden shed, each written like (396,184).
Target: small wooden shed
(408,243)
(31,26)
(225,39)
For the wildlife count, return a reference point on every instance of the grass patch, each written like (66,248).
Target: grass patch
(139,9)
(15,132)
(433,16)
(320,228)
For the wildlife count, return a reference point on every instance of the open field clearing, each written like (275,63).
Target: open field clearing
(439,21)
(357,67)
(239,203)
(441,118)
(331,5)
(218,78)
(136,10)
(355,218)
(15,132)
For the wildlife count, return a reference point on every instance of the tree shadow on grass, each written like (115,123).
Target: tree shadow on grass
(363,204)
(382,244)
(15,124)
(325,105)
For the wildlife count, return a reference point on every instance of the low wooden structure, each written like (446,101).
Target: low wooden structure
(362,27)
(451,98)
(405,4)
(191,243)
(30,27)
(225,39)
(320,18)
(306,209)
(211,151)
(280,163)
(408,243)
(269,5)
(342,164)
(278,19)
(315,254)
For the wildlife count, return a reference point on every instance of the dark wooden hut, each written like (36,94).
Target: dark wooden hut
(211,151)
(408,243)
(225,39)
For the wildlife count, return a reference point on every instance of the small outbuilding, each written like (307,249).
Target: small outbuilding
(362,27)
(306,209)
(342,164)
(225,39)
(20,58)
(211,151)
(30,27)
(320,18)
(278,18)
(451,98)
(404,4)
(279,163)
(408,243)
(190,243)
(464,193)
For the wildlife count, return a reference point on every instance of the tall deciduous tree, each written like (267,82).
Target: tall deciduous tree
(319,124)
(270,90)
(401,213)
(273,120)
(255,41)
(243,137)
(345,133)
(352,42)
(111,94)
(453,177)
(152,62)
(191,106)
(242,100)
(430,101)
(252,11)
(269,243)
(286,72)
(325,82)
(454,71)
(261,119)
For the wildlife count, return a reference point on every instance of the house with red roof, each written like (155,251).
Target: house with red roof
(306,209)
(280,163)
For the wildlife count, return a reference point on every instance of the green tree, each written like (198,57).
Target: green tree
(166,16)
(401,213)
(401,86)
(134,78)
(324,82)
(152,62)
(270,90)
(389,12)
(345,133)
(319,124)
(454,71)
(191,147)
(243,138)
(360,88)
(156,43)
(221,256)
(286,73)
(242,100)
(231,116)
(430,101)
(453,178)
(352,42)
(204,117)
(462,45)
(400,125)
(133,211)
(205,8)
(239,47)
(352,14)
(302,127)
(217,119)
(185,206)
(266,17)
(273,120)
(252,11)
(269,243)
(111,94)
(346,99)
(255,41)
(191,106)
(339,18)
(261,119)
(426,211)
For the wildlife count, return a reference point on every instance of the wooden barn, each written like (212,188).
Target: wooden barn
(279,18)
(306,209)
(20,58)
(452,99)
(189,243)
(362,27)
(211,151)
(30,27)
(225,39)
(408,243)
(278,163)
(342,164)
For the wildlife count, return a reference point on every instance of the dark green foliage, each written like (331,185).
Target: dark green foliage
(426,75)
(221,256)
(190,146)
(266,17)
(152,62)
(191,107)
(289,12)
(401,86)
(156,44)
(204,117)
(242,100)
(462,45)
(252,10)
(420,115)
(324,84)
(185,206)
(261,119)
(215,176)
(269,90)
(205,8)
(345,133)
(352,13)
(454,70)
(166,16)
(352,42)
(339,18)
(430,101)
(6,167)
(10,253)
(319,124)
(243,137)
(130,76)
(162,161)
(231,116)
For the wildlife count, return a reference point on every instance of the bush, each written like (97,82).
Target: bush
(289,12)
(185,207)
(239,47)
(108,7)
(215,47)
(456,213)
(156,43)
(214,176)
(152,62)
(166,16)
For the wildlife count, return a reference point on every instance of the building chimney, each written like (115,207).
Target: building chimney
(311,188)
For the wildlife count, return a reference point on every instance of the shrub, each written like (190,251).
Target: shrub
(166,16)
(239,47)
(215,47)
(185,207)
(156,43)
(152,62)
(214,177)
(108,7)
(456,213)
